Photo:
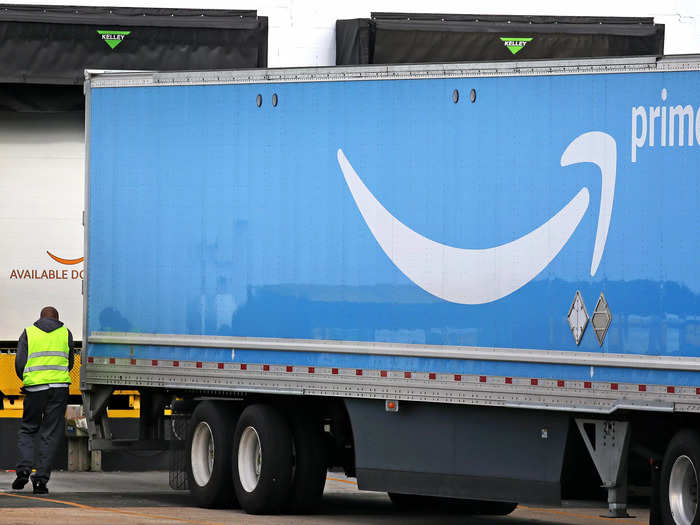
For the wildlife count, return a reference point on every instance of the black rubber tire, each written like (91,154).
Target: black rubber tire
(218,492)
(310,466)
(272,489)
(684,443)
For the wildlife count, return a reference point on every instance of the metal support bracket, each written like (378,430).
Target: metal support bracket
(95,401)
(608,444)
(150,422)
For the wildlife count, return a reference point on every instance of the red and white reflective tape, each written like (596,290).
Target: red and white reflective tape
(409,376)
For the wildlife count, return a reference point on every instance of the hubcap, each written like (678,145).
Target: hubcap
(683,491)
(249,459)
(202,456)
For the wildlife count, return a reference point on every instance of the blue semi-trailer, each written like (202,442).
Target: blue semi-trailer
(455,281)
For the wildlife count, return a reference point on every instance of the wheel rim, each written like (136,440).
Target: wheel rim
(683,491)
(249,459)
(202,455)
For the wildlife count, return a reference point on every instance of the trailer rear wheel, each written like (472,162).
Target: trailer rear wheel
(208,453)
(310,466)
(262,460)
(679,480)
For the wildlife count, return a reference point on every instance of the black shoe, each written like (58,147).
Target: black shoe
(40,487)
(20,481)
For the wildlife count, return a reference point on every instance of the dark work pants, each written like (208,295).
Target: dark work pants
(45,413)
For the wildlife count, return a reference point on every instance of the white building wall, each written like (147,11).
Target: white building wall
(41,204)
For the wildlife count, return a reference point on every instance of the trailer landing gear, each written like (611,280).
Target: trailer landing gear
(608,444)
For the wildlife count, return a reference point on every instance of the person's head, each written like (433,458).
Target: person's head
(50,312)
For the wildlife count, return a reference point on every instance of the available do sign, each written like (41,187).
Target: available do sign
(50,273)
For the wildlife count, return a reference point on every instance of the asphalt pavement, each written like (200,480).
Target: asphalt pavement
(134,498)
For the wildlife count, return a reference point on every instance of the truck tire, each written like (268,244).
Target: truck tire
(262,460)
(679,480)
(209,455)
(309,468)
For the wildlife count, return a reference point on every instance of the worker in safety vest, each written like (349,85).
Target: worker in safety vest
(43,362)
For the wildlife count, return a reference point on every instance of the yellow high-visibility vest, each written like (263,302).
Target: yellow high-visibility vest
(47,359)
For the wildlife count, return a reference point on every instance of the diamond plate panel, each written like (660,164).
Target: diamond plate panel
(578,317)
(601,319)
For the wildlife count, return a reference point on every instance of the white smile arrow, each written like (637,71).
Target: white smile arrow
(481,276)
(600,149)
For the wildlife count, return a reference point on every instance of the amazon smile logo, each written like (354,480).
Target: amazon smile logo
(65,261)
(469,276)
